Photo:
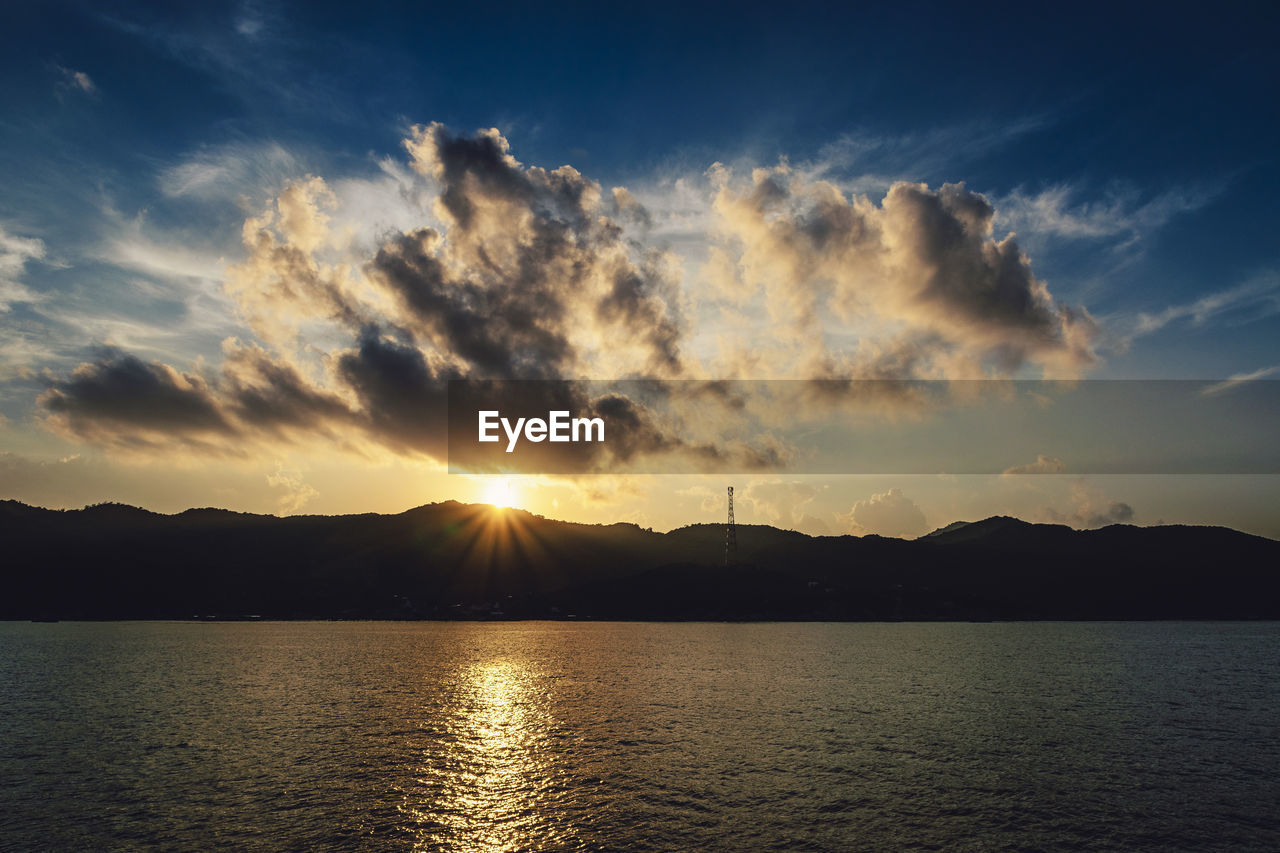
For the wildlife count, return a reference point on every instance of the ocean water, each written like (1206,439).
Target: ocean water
(623,736)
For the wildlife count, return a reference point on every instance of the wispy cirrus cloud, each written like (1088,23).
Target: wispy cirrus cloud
(15,253)
(230,171)
(253,54)
(133,248)
(1253,299)
(869,162)
(1123,216)
(1238,379)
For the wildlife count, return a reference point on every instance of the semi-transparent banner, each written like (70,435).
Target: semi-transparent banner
(864,427)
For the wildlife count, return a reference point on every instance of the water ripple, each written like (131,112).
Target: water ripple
(575,737)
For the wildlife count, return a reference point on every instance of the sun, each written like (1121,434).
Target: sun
(499,491)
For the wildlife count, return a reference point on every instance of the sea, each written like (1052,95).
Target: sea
(561,736)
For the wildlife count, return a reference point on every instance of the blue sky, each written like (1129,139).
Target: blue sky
(1131,149)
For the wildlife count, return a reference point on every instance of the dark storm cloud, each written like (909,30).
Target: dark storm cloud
(119,400)
(467,165)
(403,400)
(268,394)
(509,330)
(985,282)
(120,393)
(629,300)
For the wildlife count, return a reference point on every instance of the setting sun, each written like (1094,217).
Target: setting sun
(639,426)
(499,492)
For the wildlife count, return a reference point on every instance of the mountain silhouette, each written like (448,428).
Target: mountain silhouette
(452,560)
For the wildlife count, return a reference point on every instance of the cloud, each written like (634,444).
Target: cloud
(251,54)
(1239,379)
(1258,297)
(521,272)
(251,21)
(1122,214)
(916,154)
(295,493)
(403,397)
(888,514)
(228,171)
(76,81)
(527,277)
(1090,508)
(121,400)
(132,249)
(508,331)
(918,273)
(708,501)
(267,395)
(1116,512)
(783,504)
(1042,465)
(558,281)
(15,253)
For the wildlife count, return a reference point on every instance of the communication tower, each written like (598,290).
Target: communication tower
(730,536)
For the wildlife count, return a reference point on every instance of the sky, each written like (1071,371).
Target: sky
(243,246)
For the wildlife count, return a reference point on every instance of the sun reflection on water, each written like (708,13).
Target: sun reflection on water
(481,776)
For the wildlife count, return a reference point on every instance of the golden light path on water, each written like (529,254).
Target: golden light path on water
(486,771)
(574,737)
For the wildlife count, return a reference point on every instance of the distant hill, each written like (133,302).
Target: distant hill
(453,560)
(955,525)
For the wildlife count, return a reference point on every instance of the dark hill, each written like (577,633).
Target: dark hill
(452,560)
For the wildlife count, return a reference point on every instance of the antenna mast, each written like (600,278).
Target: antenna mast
(730,536)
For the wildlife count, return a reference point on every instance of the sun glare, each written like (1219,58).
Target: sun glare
(499,492)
